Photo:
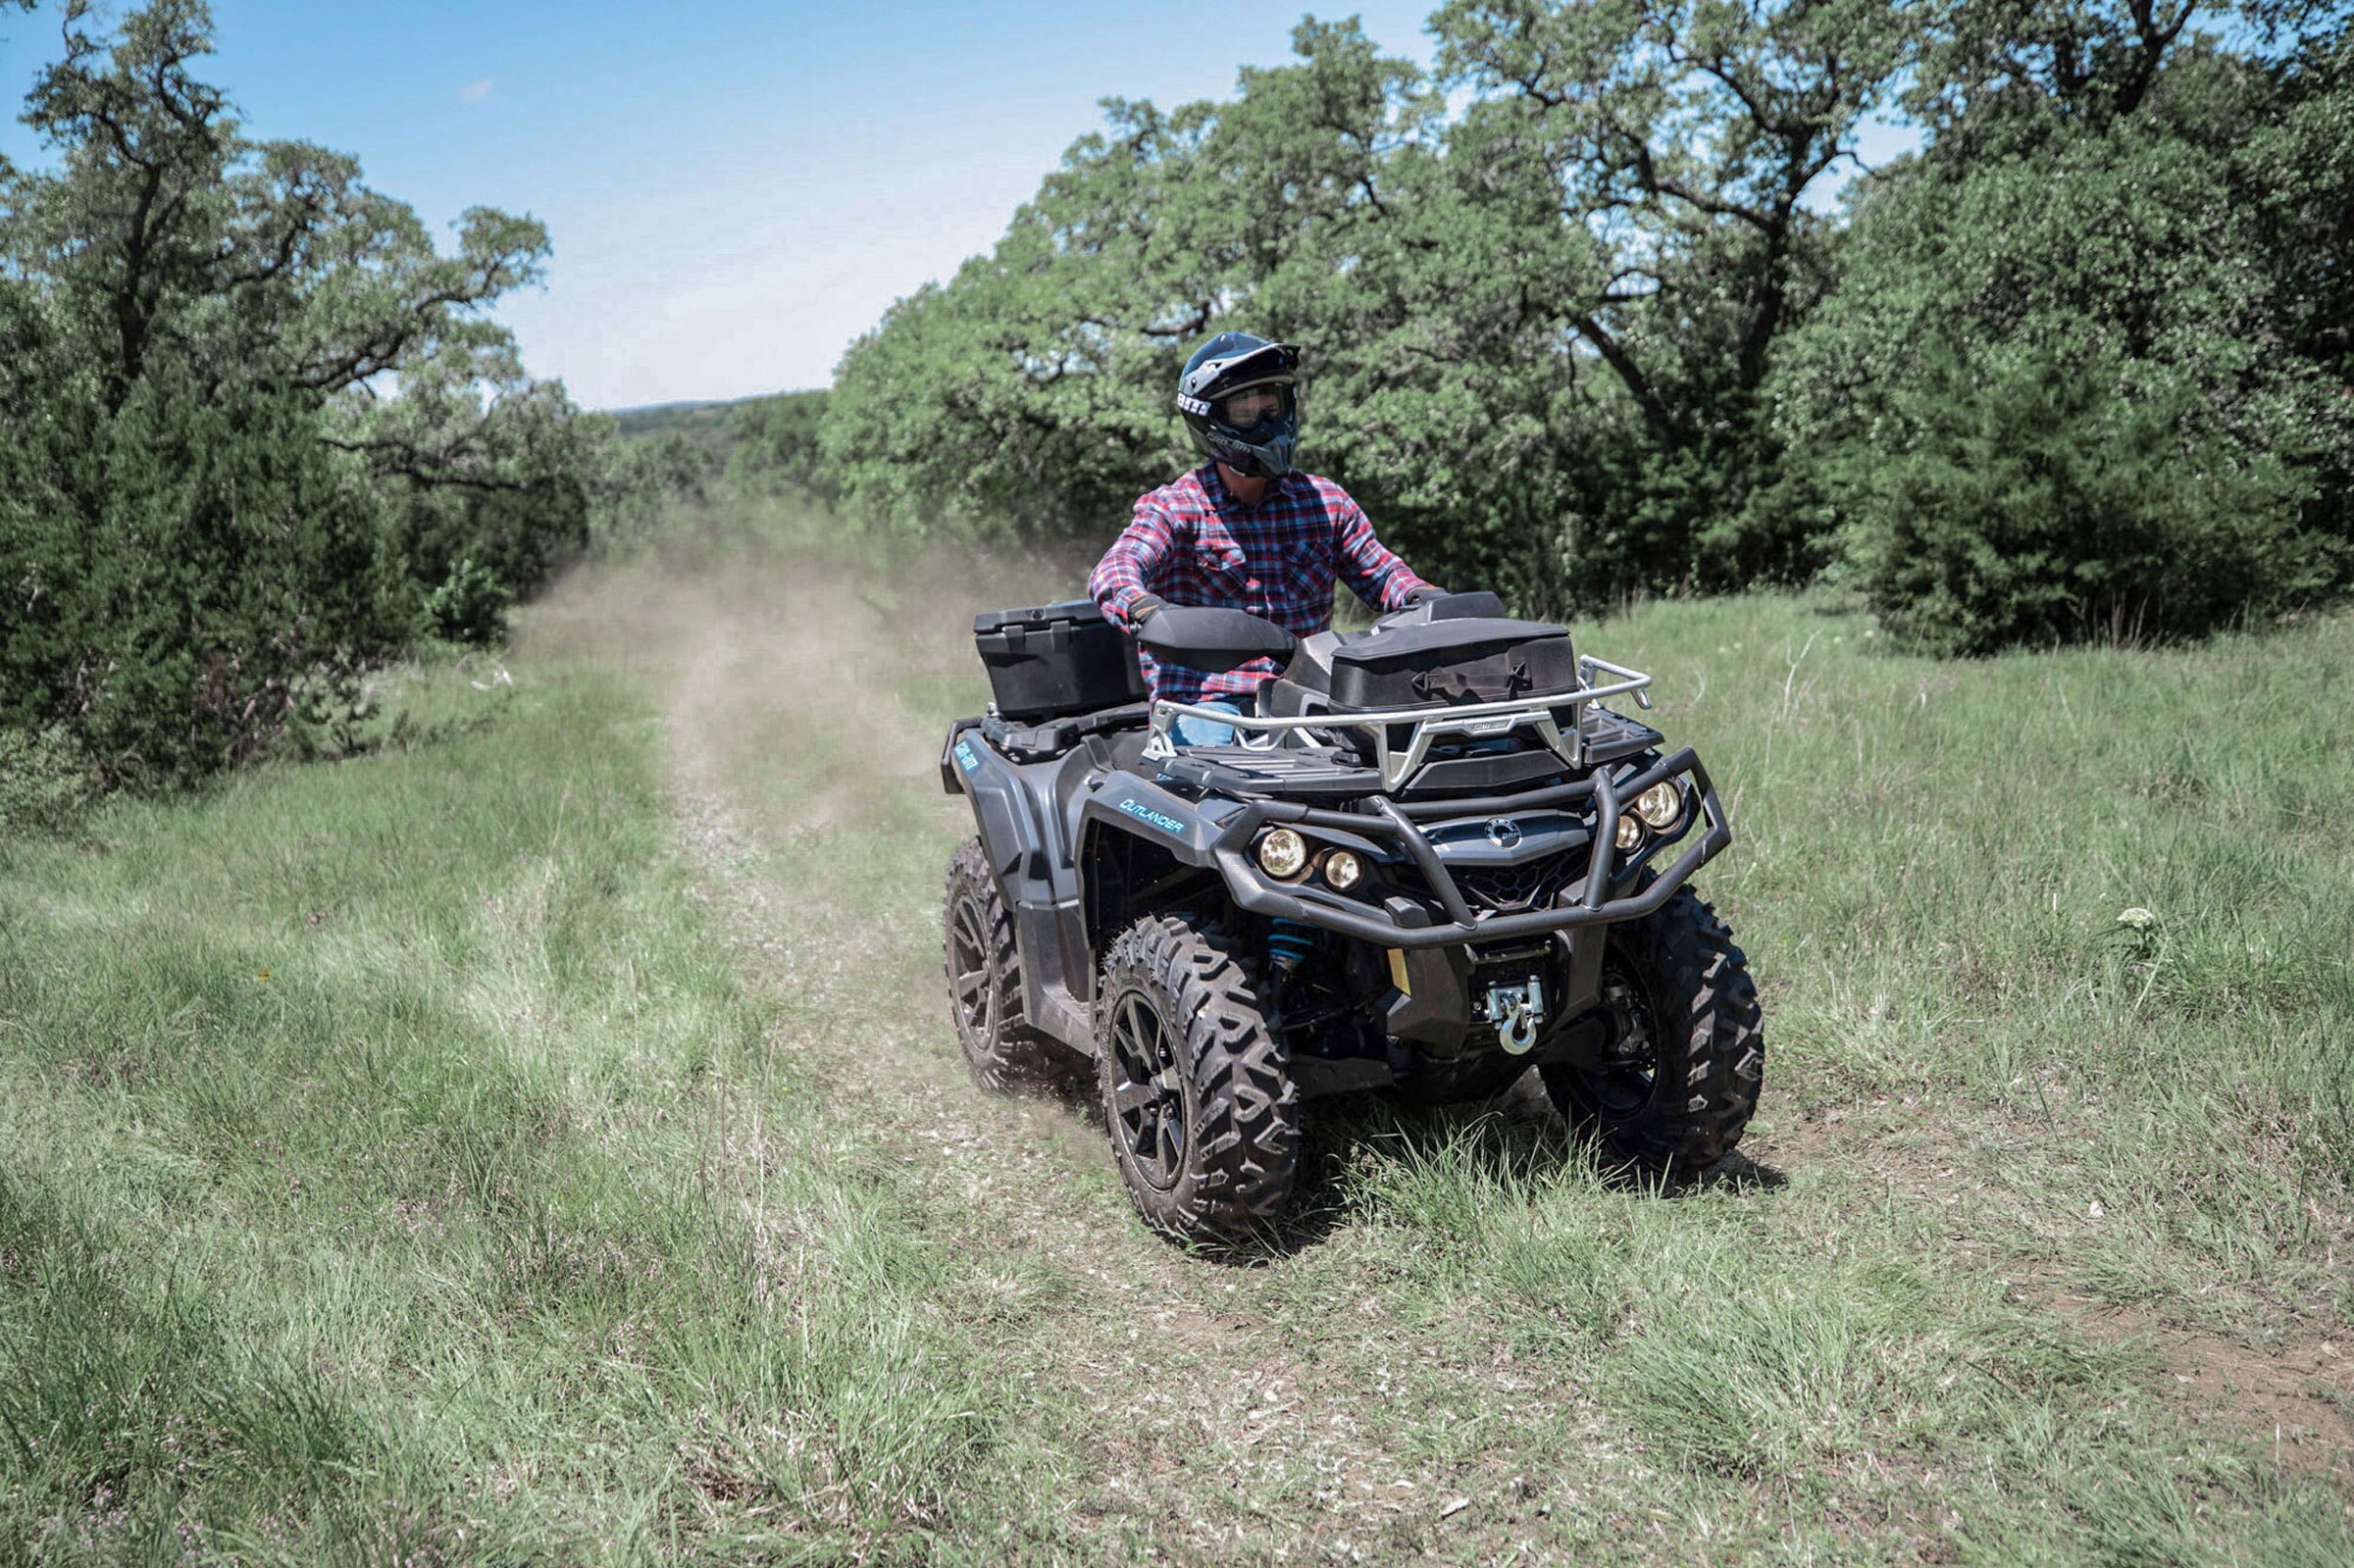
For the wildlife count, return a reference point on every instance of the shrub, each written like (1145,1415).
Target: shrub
(202,558)
(45,781)
(470,606)
(2037,503)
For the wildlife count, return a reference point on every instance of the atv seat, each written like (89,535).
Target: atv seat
(1125,749)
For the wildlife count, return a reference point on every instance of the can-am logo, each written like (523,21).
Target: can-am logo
(1161,820)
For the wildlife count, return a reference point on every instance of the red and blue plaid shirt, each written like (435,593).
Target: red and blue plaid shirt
(1192,543)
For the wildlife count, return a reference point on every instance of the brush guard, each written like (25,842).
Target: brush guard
(1606,894)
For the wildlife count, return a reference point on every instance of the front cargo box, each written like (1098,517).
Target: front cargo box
(1473,660)
(1056,660)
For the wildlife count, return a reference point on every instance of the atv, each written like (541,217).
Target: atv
(1429,860)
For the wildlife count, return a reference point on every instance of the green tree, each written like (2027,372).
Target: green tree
(1537,326)
(1678,144)
(252,413)
(2084,370)
(774,443)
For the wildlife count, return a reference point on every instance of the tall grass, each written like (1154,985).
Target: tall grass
(2089,907)
(393,1166)
(391,1169)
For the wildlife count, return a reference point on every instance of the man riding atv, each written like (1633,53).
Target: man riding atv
(1244,531)
(1421,857)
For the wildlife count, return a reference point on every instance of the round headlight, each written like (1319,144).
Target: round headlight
(1630,834)
(1284,854)
(1661,805)
(1343,870)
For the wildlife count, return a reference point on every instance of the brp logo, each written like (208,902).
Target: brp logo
(1503,832)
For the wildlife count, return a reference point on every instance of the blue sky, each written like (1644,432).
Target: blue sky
(735,191)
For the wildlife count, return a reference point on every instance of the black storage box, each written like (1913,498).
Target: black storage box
(1457,661)
(1056,660)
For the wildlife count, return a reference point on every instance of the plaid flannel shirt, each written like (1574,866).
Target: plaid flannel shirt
(1192,543)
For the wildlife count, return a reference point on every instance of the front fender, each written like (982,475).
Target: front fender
(1191,832)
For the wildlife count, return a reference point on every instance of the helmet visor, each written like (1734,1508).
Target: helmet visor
(1249,407)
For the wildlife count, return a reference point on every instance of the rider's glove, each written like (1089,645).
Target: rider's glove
(1143,605)
(1425,593)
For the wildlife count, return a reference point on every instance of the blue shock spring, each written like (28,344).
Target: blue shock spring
(1289,942)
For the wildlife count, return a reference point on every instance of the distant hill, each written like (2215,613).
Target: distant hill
(704,422)
(770,440)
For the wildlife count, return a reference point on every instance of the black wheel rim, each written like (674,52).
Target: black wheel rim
(1623,1082)
(1147,1108)
(969,977)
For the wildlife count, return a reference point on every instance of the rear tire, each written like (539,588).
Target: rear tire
(985,987)
(1198,1096)
(1679,1083)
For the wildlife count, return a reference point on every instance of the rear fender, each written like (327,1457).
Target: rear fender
(1012,838)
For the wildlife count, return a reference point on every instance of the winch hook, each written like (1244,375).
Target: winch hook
(1518,1031)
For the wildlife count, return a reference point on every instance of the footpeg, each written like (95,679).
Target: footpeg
(1515,1011)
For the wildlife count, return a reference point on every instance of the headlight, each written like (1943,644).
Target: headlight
(1283,853)
(1343,870)
(1630,834)
(1660,805)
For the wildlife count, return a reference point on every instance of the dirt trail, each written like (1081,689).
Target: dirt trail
(811,800)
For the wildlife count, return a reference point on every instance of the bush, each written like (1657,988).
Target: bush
(45,781)
(196,564)
(2037,503)
(470,606)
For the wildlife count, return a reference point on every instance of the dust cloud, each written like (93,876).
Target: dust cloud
(807,681)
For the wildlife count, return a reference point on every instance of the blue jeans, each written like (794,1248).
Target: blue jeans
(1189,731)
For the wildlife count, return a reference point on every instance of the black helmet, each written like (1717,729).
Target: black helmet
(1237,362)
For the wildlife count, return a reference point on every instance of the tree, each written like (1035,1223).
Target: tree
(253,413)
(2077,377)
(1537,328)
(773,443)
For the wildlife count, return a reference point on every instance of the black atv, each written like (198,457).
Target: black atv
(1430,858)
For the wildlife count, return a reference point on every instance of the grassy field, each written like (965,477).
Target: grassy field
(546,1144)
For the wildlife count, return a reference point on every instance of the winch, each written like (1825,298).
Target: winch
(1515,1008)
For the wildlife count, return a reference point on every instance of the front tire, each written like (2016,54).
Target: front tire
(1676,1085)
(1006,1054)
(1198,1096)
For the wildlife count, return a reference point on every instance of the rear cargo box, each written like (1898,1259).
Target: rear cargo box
(1056,660)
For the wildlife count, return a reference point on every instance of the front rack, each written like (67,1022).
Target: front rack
(1556,718)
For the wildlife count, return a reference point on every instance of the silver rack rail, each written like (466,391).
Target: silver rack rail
(1478,720)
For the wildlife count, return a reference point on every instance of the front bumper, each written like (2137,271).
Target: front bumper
(1402,921)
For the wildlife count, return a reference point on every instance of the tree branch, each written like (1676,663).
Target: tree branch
(391,457)
(1614,354)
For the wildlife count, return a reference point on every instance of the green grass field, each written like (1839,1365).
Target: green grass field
(546,1144)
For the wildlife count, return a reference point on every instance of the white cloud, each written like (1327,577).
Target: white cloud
(476,91)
